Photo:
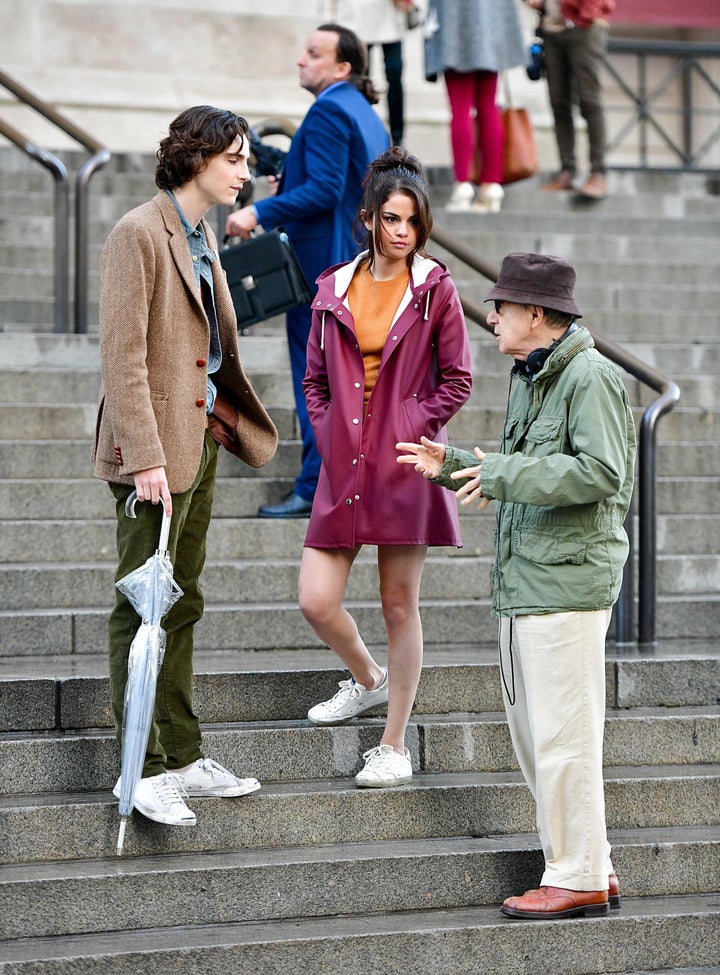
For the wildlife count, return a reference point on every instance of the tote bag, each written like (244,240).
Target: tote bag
(520,158)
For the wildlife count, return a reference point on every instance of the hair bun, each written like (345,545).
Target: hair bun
(397,158)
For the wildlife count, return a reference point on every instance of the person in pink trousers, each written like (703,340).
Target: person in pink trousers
(469,42)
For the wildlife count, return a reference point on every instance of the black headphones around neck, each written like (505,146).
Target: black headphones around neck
(537,358)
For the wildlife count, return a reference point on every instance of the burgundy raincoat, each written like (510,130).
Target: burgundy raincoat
(364,496)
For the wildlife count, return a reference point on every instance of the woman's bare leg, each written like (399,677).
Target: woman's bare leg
(321,587)
(401,569)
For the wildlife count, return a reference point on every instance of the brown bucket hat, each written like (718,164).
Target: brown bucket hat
(536,279)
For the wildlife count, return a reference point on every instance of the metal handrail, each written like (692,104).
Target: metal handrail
(687,55)
(61,256)
(101,156)
(647,452)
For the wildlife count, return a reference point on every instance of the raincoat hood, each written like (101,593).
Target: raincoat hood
(333,284)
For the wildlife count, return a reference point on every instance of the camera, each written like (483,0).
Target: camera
(536,60)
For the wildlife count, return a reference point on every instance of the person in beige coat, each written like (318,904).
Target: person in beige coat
(173,389)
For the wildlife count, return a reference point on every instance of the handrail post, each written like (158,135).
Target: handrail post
(100,157)
(647,455)
(61,211)
(82,237)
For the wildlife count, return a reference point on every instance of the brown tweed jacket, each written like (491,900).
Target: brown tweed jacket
(154,343)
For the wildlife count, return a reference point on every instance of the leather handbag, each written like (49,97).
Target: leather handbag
(265,277)
(520,157)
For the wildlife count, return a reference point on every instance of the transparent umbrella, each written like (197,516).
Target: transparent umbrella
(152,591)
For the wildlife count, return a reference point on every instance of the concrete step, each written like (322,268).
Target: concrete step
(66,499)
(347,879)
(245,581)
(257,626)
(69,420)
(69,457)
(68,826)
(262,626)
(68,693)
(687,365)
(278,751)
(74,539)
(648,932)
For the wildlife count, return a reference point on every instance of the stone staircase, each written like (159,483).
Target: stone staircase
(311,874)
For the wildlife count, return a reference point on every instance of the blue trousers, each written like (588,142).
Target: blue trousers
(298,329)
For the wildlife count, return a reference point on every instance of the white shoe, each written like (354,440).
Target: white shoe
(206,778)
(461,197)
(352,699)
(490,198)
(158,798)
(384,767)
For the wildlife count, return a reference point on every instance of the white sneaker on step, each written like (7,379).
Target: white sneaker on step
(352,699)
(461,197)
(384,767)
(158,797)
(490,198)
(206,778)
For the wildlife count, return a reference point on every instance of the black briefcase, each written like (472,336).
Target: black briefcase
(265,277)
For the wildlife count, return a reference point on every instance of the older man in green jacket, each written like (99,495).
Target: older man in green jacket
(562,483)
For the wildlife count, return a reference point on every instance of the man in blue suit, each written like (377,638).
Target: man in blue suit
(317,200)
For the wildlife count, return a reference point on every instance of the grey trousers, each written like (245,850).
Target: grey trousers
(573,59)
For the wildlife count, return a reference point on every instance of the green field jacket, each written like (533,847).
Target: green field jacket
(562,484)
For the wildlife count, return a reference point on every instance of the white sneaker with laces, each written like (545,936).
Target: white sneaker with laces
(461,198)
(352,699)
(206,778)
(158,797)
(384,767)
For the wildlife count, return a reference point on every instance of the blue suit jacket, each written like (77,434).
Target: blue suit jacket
(320,189)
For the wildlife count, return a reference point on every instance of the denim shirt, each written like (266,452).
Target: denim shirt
(202,258)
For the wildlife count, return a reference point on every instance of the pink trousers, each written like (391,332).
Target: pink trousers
(476,132)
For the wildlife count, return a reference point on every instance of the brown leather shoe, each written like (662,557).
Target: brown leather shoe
(595,188)
(614,892)
(552,902)
(565,180)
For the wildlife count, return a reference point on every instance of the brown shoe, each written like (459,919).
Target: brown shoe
(552,902)
(595,188)
(614,892)
(564,180)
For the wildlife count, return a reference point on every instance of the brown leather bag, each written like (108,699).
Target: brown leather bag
(222,423)
(520,158)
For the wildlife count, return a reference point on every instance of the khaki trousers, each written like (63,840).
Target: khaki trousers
(555,668)
(174,739)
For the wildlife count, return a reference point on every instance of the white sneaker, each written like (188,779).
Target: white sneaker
(384,767)
(206,778)
(158,798)
(461,197)
(490,198)
(352,699)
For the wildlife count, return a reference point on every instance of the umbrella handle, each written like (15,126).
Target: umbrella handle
(164,528)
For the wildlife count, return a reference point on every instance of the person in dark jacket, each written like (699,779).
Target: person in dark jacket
(388,358)
(575,39)
(316,202)
(562,483)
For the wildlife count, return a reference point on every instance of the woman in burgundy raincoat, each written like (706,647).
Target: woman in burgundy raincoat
(388,360)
